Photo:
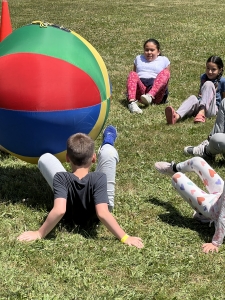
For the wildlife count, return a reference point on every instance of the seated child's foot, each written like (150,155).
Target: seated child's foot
(197,150)
(171,115)
(146,99)
(199,118)
(134,108)
(165,167)
(109,135)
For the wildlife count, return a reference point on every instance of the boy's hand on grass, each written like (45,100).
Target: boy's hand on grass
(209,247)
(134,241)
(29,236)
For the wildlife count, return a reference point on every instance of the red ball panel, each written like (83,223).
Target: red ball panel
(34,82)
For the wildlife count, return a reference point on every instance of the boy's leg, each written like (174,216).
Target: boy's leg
(193,195)
(107,160)
(189,107)
(159,86)
(211,180)
(49,165)
(208,99)
(135,88)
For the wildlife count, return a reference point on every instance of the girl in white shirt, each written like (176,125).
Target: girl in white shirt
(148,82)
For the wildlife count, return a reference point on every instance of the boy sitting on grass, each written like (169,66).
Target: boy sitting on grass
(82,197)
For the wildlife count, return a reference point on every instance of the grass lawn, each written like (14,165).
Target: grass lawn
(94,265)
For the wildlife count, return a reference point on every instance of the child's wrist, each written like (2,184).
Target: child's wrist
(39,235)
(124,238)
(215,244)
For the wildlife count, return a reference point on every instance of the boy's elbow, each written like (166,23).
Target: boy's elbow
(100,215)
(60,212)
(60,207)
(102,212)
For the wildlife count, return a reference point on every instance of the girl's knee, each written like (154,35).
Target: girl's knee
(167,72)
(195,161)
(208,84)
(176,177)
(217,144)
(217,138)
(164,73)
(132,74)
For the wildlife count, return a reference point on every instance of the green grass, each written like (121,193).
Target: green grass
(94,265)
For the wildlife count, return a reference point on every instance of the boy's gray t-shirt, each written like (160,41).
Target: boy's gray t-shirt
(81,195)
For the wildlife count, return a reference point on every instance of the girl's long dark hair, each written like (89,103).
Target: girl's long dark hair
(218,61)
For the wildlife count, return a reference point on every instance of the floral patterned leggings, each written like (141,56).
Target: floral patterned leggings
(135,88)
(206,204)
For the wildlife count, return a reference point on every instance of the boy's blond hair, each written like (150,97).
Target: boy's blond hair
(80,149)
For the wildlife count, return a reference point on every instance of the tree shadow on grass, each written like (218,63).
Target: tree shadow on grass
(24,184)
(174,218)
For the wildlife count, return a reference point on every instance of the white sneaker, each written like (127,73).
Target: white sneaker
(198,150)
(165,167)
(134,108)
(200,217)
(146,99)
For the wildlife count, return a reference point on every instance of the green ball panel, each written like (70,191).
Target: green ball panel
(57,43)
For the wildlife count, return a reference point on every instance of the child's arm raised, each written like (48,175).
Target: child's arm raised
(53,218)
(110,222)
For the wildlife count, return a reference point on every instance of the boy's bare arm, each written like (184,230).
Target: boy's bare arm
(53,218)
(110,222)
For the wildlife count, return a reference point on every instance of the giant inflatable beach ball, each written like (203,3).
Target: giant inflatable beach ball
(53,83)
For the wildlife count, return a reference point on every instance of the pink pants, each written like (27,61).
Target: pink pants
(135,88)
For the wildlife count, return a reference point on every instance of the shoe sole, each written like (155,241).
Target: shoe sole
(144,101)
(192,154)
(163,171)
(169,112)
(185,152)
(199,119)
(113,127)
(136,111)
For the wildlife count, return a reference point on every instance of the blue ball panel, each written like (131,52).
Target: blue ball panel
(35,133)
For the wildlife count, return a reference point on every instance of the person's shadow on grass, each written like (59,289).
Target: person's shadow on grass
(174,218)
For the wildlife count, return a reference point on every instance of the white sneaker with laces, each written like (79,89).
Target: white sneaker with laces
(146,99)
(134,108)
(197,150)
(165,167)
